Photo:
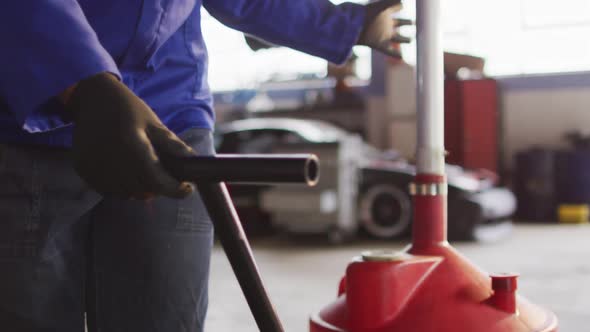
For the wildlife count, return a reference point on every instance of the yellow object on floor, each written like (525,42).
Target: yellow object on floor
(573,213)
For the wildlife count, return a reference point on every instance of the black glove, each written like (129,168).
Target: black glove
(117,140)
(380,28)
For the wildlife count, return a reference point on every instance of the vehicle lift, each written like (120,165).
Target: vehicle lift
(428,287)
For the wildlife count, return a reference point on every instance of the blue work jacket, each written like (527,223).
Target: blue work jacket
(154,46)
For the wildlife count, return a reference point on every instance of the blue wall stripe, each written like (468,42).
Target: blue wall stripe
(545,81)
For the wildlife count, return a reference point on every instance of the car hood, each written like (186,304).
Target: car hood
(457,177)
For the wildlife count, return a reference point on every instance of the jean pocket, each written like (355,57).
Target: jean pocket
(192,216)
(2,157)
(20,198)
(200,139)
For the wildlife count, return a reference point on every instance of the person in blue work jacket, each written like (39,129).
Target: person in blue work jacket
(92,92)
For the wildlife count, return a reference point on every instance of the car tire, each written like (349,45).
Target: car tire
(385,211)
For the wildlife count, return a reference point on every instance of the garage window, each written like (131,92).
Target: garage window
(515,37)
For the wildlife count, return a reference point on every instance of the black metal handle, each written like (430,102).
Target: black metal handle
(208,172)
(233,239)
(297,168)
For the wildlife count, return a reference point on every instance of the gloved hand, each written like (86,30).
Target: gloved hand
(117,140)
(380,28)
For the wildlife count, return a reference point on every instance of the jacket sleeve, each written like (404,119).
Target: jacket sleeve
(316,27)
(47,46)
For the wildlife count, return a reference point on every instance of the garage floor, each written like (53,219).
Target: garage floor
(554,262)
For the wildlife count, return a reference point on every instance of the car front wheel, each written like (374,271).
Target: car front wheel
(385,211)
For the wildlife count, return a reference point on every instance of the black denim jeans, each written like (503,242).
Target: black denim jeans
(68,255)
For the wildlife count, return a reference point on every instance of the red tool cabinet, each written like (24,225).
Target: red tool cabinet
(472,123)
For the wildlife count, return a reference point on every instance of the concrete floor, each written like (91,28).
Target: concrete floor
(554,263)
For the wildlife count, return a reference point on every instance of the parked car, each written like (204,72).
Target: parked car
(360,187)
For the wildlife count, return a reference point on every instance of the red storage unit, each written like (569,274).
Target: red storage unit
(471,123)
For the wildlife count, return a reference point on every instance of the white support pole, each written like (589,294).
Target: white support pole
(430,151)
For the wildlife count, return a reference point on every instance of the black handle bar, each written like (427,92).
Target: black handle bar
(209,173)
(297,168)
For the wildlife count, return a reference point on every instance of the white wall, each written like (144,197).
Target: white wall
(541,116)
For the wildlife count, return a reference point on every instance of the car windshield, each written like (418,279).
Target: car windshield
(313,131)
